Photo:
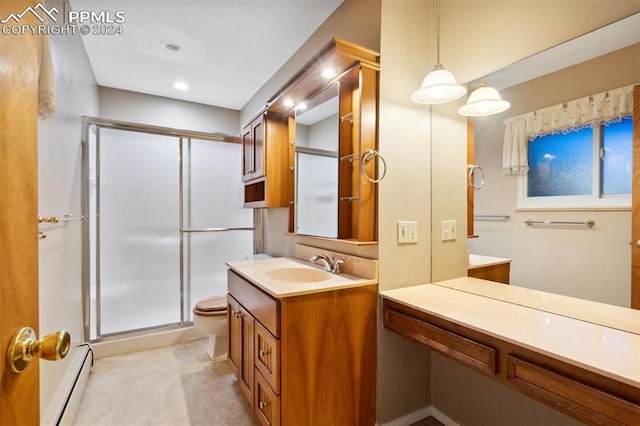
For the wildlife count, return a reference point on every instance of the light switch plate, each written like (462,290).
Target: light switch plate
(407,232)
(412,232)
(403,232)
(448,230)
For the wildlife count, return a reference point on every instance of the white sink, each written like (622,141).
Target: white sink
(300,275)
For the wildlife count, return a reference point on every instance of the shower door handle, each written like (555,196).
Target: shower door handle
(24,346)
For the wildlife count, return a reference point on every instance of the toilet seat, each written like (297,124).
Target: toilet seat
(211,306)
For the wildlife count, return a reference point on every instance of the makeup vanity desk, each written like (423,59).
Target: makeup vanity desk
(577,356)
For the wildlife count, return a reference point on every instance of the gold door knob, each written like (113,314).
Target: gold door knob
(24,347)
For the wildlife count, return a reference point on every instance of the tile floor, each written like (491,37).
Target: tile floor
(174,385)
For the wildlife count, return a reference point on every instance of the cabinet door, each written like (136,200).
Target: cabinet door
(246,377)
(257,134)
(234,350)
(241,353)
(247,153)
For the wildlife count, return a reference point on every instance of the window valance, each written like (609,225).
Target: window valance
(601,108)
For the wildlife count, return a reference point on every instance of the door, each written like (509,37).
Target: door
(20,393)
(635,204)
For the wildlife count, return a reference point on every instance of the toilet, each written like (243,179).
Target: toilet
(210,317)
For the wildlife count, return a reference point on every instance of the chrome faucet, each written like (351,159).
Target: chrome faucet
(330,265)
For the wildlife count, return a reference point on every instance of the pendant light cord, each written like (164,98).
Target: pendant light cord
(438,32)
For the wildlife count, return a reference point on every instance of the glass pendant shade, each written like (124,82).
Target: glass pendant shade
(439,86)
(483,101)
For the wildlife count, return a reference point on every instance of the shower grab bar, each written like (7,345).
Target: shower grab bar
(216,229)
(491,217)
(588,223)
(64,218)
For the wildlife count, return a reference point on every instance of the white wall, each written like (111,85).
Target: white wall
(140,108)
(593,264)
(59,160)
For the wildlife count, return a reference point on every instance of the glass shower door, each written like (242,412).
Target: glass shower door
(138,180)
(165,214)
(216,227)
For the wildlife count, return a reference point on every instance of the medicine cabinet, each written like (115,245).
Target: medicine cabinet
(345,77)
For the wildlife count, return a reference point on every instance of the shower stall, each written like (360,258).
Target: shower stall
(165,212)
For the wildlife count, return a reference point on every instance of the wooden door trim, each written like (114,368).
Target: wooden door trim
(635,203)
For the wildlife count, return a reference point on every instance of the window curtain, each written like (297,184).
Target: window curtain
(602,108)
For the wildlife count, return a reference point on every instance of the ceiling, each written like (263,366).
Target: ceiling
(225,51)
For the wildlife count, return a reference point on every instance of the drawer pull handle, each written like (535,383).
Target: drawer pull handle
(262,405)
(263,353)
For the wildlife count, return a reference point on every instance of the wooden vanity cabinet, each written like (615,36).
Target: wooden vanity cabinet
(312,356)
(498,273)
(590,397)
(265,159)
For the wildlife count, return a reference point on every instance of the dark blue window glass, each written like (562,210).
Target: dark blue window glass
(561,164)
(617,164)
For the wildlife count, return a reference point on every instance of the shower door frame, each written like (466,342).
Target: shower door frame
(181,136)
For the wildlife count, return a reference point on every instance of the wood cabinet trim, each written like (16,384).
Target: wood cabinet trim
(566,394)
(467,351)
(262,306)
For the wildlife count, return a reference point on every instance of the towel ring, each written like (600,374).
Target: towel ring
(470,178)
(366,157)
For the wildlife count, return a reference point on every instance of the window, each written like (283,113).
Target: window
(589,167)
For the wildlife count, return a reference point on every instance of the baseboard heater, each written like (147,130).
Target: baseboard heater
(64,405)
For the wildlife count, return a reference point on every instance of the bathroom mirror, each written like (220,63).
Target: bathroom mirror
(316,165)
(586,263)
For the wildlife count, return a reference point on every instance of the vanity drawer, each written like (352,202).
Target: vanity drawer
(267,402)
(267,356)
(583,401)
(263,307)
(467,351)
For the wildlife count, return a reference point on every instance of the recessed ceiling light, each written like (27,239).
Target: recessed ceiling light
(180,85)
(328,72)
(301,106)
(288,102)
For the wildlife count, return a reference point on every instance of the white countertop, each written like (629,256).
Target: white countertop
(598,313)
(258,272)
(480,261)
(607,351)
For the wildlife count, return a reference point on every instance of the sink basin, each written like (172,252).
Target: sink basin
(299,275)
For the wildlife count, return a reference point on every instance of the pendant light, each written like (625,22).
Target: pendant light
(484,101)
(439,86)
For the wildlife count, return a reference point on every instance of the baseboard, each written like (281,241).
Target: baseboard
(441,417)
(146,341)
(65,402)
(421,414)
